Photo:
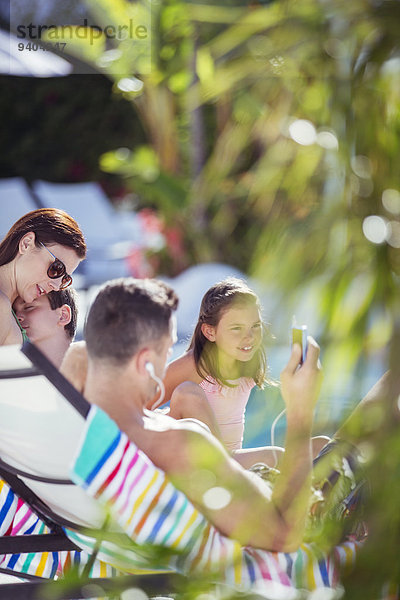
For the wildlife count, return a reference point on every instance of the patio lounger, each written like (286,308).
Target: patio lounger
(33,543)
(16,200)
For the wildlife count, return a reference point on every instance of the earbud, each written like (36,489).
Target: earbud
(150,369)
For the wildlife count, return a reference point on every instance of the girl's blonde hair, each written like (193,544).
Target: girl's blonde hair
(219,298)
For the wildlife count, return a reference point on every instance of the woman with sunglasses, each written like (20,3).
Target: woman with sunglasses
(37,255)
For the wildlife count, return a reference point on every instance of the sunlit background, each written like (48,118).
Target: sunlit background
(263,141)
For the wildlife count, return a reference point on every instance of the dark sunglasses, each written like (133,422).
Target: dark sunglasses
(57,269)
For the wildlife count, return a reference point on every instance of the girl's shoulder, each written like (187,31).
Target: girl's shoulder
(242,384)
(185,360)
(183,368)
(247,383)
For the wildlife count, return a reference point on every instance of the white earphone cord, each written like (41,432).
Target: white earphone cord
(274,423)
(161,386)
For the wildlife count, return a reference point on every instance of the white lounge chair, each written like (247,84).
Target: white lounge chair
(29,64)
(36,421)
(15,201)
(41,431)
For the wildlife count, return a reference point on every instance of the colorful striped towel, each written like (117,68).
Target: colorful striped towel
(17,518)
(151,511)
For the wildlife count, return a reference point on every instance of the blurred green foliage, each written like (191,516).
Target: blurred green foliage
(272,140)
(270,135)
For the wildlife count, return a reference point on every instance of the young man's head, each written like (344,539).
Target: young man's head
(131,321)
(48,316)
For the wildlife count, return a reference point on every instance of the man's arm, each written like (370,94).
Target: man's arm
(238,503)
(300,389)
(234,500)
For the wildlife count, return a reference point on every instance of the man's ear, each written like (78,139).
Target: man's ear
(65,315)
(27,242)
(143,357)
(208,331)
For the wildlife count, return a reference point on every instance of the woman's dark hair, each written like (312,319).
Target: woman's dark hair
(219,298)
(50,226)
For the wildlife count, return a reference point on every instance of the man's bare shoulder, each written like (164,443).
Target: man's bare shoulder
(75,364)
(76,351)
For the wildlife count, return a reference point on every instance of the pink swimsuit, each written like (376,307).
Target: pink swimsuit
(228,404)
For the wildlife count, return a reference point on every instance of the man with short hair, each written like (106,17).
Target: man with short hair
(50,322)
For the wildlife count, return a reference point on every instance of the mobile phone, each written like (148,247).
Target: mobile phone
(299,336)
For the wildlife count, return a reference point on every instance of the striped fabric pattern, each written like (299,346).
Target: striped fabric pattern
(16,518)
(152,511)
